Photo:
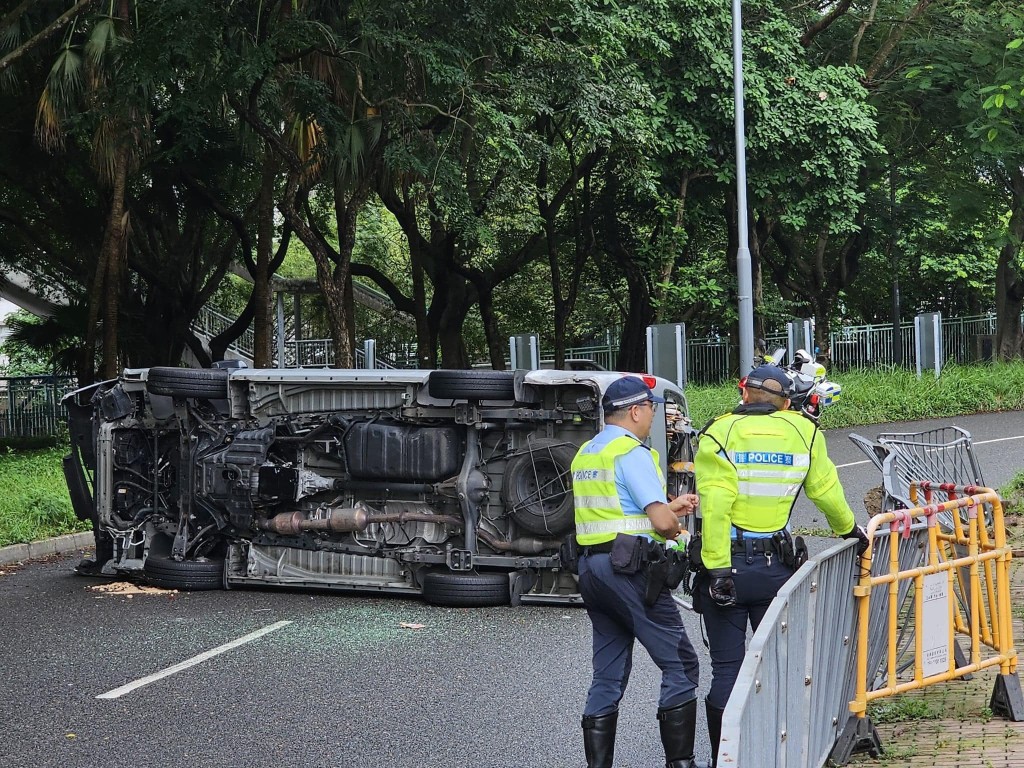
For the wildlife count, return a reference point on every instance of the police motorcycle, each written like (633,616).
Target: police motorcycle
(811,391)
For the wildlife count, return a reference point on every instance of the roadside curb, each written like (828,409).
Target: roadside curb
(17,553)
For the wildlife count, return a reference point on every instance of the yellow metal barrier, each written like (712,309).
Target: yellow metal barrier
(983,612)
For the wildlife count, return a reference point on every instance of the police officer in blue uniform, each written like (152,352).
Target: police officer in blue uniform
(751,465)
(621,512)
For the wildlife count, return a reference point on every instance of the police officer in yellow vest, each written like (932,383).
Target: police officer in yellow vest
(750,467)
(621,511)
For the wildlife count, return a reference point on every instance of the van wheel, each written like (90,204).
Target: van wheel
(472,385)
(211,383)
(466,590)
(537,489)
(188,575)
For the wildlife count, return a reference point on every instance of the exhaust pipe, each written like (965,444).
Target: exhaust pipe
(359,517)
(347,520)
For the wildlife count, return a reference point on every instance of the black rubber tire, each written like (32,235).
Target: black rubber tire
(472,385)
(466,590)
(210,383)
(188,575)
(537,487)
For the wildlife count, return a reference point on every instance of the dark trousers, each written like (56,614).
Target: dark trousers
(615,604)
(757,583)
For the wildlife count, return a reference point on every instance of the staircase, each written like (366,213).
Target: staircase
(297,353)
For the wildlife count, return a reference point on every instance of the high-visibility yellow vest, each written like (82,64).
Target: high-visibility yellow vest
(599,515)
(771,456)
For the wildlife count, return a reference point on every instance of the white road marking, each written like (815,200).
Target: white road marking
(979,442)
(118,692)
(853,464)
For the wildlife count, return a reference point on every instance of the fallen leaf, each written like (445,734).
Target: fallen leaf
(408,625)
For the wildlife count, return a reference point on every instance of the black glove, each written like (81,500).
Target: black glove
(861,536)
(723,591)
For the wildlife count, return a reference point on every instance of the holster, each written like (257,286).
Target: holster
(665,568)
(800,548)
(792,552)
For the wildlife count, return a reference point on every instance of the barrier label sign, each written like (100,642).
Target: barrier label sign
(934,628)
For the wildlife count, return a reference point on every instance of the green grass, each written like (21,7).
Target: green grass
(899,710)
(873,397)
(1012,495)
(34,501)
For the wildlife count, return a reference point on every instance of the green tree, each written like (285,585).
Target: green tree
(975,78)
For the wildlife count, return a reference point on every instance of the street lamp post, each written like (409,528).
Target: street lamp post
(743,269)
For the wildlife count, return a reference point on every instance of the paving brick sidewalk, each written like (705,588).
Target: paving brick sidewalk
(966,733)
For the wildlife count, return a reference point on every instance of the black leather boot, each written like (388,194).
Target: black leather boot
(599,739)
(714,729)
(677,727)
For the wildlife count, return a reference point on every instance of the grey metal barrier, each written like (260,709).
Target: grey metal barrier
(944,454)
(791,698)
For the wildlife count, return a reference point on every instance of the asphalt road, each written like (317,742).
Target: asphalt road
(343,684)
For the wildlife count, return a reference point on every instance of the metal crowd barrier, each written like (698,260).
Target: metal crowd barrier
(791,696)
(960,586)
(842,633)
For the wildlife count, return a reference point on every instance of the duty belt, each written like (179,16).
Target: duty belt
(761,545)
(595,549)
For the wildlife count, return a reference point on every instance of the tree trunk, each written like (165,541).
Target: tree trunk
(633,344)
(262,298)
(450,321)
(426,354)
(495,348)
(347,205)
(1009,342)
(87,374)
(114,244)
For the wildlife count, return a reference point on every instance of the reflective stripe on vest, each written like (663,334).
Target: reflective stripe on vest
(599,514)
(625,524)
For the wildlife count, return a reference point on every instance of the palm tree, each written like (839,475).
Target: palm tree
(56,338)
(79,73)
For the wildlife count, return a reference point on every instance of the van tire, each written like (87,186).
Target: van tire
(187,575)
(537,489)
(466,590)
(210,383)
(472,385)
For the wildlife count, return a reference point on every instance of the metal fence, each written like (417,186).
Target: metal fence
(209,323)
(790,700)
(791,705)
(709,359)
(30,405)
